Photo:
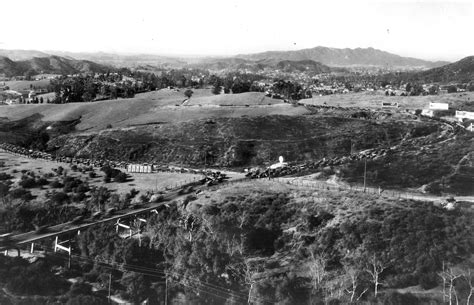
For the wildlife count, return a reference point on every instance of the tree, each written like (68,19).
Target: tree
(121,177)
(352,275)
(99,197)
(449,276)
(452,89)
(375,267)
(188,93)
(4,188)
(29,74)
(433,90)
(216,89)
(317,269)
(137,286)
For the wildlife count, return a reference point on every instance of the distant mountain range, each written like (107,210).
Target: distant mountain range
(49,65)
(345,57)
(332,57)
(233,63)
(316,60)
(116,60)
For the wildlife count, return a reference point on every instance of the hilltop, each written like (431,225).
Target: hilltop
(234,63)
(50,64)
(462,71)
(344,57)
(22,54)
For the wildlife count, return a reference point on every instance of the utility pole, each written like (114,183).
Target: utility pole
(110,284)
(166,289)
(365,172)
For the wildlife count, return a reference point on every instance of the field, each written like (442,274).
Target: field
(242,99)
(155,107)
(139,181)
(374,100)
(25,84)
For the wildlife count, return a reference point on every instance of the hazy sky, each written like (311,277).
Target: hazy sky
(424,29)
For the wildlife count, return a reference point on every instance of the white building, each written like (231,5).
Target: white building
(461,115)
(427,112)
(279,164)
(135,168)
(439,106)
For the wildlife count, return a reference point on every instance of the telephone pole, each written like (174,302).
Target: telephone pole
(110,284)
(166,289)
(365,172)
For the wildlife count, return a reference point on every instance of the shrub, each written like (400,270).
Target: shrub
(71,183)
(110,171)
(5,176)
(121,177)
(42,181)
(395,298)
(56,184)
(59,170)
(82,188)
(78,197)
(59,198)
(21,193)
(27,182)
(428,280)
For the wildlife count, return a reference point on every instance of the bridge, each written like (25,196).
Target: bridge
(15,241)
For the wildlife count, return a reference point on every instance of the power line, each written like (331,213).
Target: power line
(159,274)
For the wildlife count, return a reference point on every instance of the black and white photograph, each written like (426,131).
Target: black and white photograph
(237,152)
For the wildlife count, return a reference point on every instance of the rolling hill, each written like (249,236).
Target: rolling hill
(303,65)
(233,63)
(462,71)
(344,57)
(51,64)
(22,54)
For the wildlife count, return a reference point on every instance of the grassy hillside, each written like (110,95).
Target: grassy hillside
(374,100)
(155,107)
(236,141)
(25,84)
(462,71)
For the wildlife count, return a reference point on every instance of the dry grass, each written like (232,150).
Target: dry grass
(375,99)
(151,108)
(25,84)
(139,181)
(242,99)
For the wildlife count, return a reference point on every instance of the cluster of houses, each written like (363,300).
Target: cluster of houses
(12,97)
(466,118)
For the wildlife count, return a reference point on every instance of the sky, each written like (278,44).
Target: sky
(434,30)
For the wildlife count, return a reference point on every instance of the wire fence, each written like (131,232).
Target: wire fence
(320,185)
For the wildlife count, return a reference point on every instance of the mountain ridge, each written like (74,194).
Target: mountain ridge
(345,57)
(50,64)
(461,70)
(335,57)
